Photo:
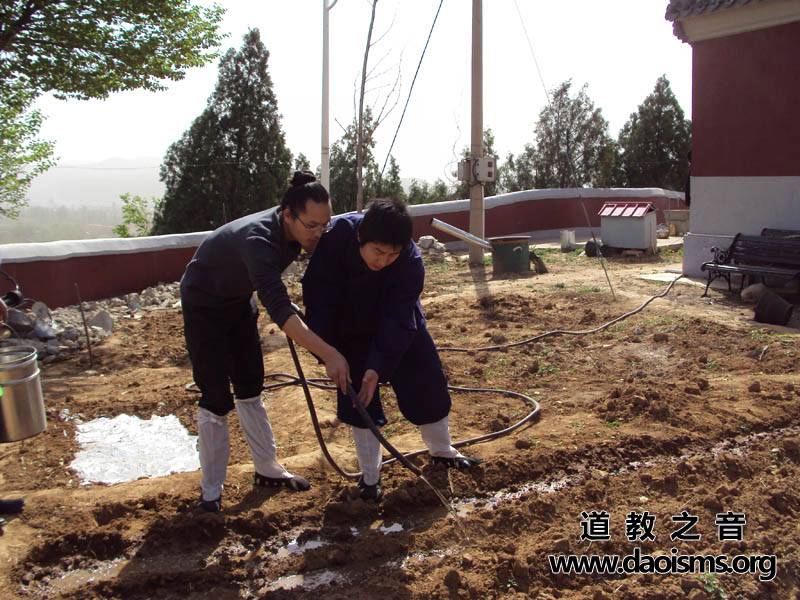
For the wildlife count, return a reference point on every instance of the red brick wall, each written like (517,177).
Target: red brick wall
(745,103)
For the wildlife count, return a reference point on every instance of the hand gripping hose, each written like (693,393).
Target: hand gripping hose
(324,383)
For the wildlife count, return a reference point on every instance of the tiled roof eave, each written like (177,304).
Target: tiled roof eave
(682,9)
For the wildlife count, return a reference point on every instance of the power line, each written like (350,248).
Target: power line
(533,54)
(411,89)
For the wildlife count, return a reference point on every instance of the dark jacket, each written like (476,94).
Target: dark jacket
(244,255)
(359,310)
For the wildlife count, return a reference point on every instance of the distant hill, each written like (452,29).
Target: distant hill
(73,183)
(95,184)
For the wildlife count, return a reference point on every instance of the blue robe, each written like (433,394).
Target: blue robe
(375,319)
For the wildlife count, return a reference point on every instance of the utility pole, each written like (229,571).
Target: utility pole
(326,150)
(476,215)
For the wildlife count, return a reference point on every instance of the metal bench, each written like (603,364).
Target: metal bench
(784,234)
(754,255)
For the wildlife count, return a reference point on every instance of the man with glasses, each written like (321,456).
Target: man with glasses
(220,316)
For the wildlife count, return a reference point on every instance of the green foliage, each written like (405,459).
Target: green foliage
(22,155)
(655,142)
(712,585)
(90,48)
(343,167)
(390,185)
(421,192)
(301,163)
(136,213)
(516,173)
(573,148)
(233,160)
(86,49)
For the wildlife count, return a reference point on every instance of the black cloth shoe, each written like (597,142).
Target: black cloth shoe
(11,507)
(212,506)
(461,463)
(370,492)
(295,482)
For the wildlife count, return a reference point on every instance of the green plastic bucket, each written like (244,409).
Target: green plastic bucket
(510,254)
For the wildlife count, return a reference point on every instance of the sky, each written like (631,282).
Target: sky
(617,47)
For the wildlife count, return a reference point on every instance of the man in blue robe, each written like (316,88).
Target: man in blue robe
(361,293)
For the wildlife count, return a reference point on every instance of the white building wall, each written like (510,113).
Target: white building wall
(724,206)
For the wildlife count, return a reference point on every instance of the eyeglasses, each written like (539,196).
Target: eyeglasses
(322,227)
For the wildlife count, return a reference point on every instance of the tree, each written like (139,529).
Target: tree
(440,191)
(390,186)
(572,147)
(90,48)
(301,163)
(85,49)
(136,213)
(233,160)
(655,142)
(489,189)
(343,164)
(418,192)
(517,173)
(22,155)
(365,129)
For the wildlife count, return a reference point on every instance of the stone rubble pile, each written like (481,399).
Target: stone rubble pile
(60,331)
(432,249)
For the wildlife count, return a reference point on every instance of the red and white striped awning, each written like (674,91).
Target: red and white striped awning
(626,209)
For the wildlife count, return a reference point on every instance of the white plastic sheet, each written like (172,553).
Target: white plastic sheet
(126,448)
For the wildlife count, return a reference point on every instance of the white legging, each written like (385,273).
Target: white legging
(214,444)
(368,449)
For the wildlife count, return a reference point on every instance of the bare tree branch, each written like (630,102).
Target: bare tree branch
(360,130)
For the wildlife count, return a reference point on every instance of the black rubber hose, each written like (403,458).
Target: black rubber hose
(324,383)
(558,332)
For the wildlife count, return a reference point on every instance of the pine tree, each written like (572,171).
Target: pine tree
(233,160)
(517,173)
(573,148)
(418,192)
(390,185)
(655,142)
(301,163)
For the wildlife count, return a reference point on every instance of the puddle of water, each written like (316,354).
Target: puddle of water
(74,580)
(737,446)
(127,448)
(294,548)
(393,528)
(468,505)
(307,581)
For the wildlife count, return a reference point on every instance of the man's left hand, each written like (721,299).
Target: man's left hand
(368,385)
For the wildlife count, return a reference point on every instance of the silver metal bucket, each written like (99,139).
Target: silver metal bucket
(21,403)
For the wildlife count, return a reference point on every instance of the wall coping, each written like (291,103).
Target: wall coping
(31,252)
(418,210)
(60,250)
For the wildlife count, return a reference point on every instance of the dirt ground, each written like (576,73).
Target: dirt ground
(688,405)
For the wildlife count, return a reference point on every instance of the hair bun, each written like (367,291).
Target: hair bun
(302,178)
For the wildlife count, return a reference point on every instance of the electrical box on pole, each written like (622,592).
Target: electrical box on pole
(480,170)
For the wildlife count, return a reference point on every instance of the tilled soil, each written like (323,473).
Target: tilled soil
(685,406)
